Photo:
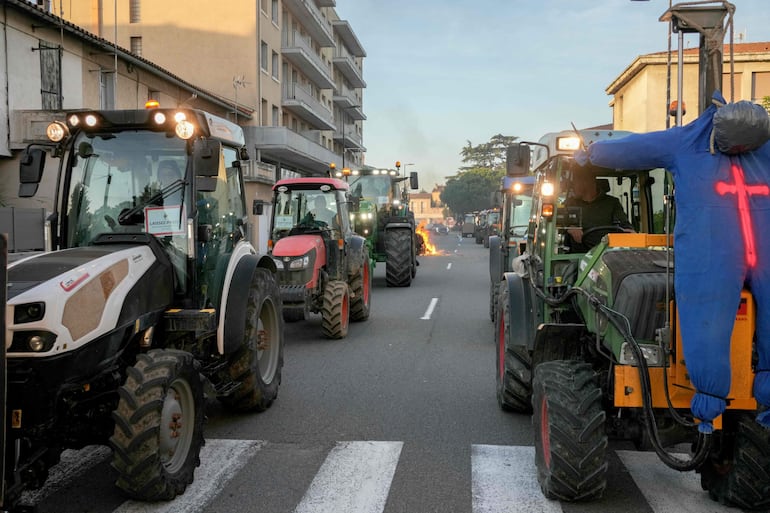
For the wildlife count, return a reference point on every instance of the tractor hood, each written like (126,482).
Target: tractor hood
(298,245)
(84,293)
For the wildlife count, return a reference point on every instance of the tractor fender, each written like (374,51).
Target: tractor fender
(243,262)
(233,318)
(357,252)
(522,317)
(495,259)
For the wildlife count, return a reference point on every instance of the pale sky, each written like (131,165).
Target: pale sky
(442,72)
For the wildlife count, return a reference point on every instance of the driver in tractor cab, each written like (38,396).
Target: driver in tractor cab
(597,209)
(323,214)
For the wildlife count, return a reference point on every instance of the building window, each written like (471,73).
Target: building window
(263,5)
(135,11)
(106,89)
(263,56)
(760,85)
(264,112)
(136,45)
(276,115)
(50,75)
(275,12)
(275,65)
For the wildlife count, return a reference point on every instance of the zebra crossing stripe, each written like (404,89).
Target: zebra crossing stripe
(504,480)
(665,489)
(354,478)
(220,461)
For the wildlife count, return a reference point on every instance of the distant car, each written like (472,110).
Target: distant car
(441,229)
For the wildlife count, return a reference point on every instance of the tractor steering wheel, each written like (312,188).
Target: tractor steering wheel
(593,236)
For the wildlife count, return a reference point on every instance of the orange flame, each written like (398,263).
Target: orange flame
(430,248)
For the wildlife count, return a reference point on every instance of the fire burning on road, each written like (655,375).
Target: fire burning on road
(430,248)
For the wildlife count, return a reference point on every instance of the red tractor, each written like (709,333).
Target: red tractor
(323,266)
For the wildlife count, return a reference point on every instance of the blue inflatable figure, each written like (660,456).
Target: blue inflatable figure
(721,168)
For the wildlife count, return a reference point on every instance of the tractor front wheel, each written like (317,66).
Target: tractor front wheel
(361,287)
(158,426)
(514,363)
(569,426)
(400,260)
(741,477)
(256,365)
(335,312)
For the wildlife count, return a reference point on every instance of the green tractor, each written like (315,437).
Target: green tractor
(380,212)
(588,340)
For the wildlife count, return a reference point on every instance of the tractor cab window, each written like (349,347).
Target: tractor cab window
(115,186)
(305,210)
(376,188)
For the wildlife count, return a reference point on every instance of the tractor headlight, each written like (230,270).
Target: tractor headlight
(652,353)
(278,263)
(32,342)
(29,312)
(56,131)
(300,263)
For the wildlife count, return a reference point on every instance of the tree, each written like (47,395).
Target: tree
(471,188)
(489,155)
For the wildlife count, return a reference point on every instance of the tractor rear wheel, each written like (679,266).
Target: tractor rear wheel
(158,426)
(569,426)
(399,262)
(742,479)
(361,287)
(335,312)
(514,363)
(256,366)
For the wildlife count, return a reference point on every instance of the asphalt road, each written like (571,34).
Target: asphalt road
(399,417)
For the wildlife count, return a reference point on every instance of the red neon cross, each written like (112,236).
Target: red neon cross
(743,191)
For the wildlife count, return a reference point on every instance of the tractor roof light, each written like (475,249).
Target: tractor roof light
(184,130)
(547,189)
(91,120)
(56,131)
(570,143)
(517,187)
(159,118)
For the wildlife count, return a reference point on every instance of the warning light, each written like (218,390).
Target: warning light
(152,104)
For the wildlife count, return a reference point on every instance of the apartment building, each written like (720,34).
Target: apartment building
(293,63)
(639,93)
(50,66)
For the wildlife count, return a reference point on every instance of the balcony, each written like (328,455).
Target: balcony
(345,31)
(308,14)
(254,171)
(303,104)
(326,3)
(347,65)
(345,98)
(298,50)
(351,140)
(289,150)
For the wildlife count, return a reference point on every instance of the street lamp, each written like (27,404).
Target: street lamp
(344,147)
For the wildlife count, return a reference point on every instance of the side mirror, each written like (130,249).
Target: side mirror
(257,207)
(517,160)
(206,157)
(413,182)
(30,171)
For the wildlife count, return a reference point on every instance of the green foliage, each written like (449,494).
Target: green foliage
(471,188)
(489,155)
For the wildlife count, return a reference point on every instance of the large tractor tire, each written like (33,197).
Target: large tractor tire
(493,297)
(514,363)
(399,263)
(569,426)
(335,312)
(361,288)
(257,364)
(158,426)
(742,479)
